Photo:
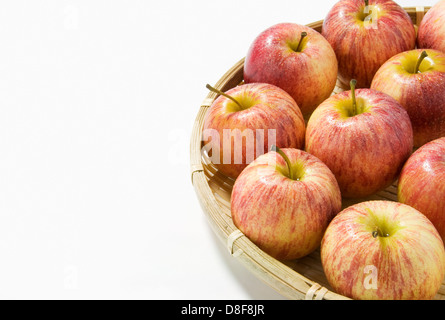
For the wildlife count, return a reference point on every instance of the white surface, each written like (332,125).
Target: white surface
(97,102)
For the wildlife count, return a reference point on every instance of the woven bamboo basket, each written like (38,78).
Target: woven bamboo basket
(296,280)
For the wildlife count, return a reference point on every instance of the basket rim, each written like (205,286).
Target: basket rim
(282,278)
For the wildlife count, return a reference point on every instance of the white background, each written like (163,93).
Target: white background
(97,104)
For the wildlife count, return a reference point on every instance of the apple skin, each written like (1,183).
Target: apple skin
(285,218)
(408,264)
(422,183)
(366,152)
(431,34)
(269,108)
(362,47)
(421,94)
(308,76)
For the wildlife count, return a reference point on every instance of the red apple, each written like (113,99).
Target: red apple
(416,79)
(283,202)
(364,137)
(295,58)
(246,121)
(383,250)
(422,183)
(431,34)
(364,36)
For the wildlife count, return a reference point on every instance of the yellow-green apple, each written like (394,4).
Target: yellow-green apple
(416,79)
(364,137)
(431,34)
(365,35)
(383,250)
(295,58)
(246,121)
(284,201)
(422,183)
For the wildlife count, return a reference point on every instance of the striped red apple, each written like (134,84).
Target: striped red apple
(295,58)
(244,122)
(422,183)
(364,137)
(383,250)
(416,79)
(364,34)
(431,33)
(284,201)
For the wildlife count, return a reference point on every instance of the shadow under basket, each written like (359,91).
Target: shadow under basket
(300,279)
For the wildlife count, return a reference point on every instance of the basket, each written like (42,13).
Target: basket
(295,280)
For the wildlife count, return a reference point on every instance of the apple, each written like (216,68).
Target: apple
(295,58)
(422,183)
(383,250)
(416,79)
(246,121)
(284,201)
(364,137)
(365,34)
(431,34)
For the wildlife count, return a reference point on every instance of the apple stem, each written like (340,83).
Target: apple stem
(422,56)
(366,3)
(378,233)
(208,86)
(303,35)
(354,100)
(285,157)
